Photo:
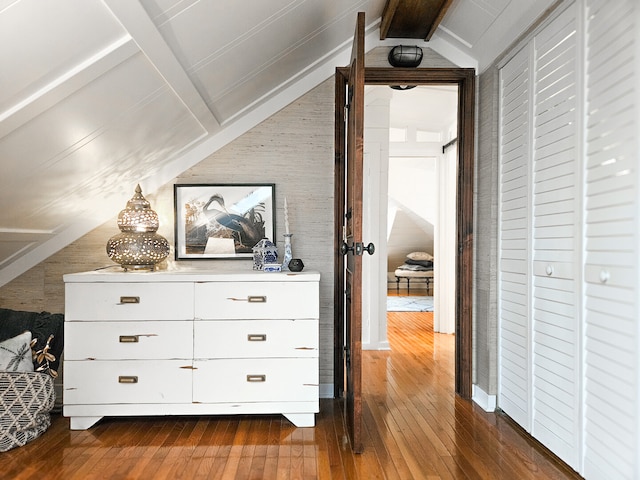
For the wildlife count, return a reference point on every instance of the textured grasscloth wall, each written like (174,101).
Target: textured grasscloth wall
(486,214)
(293,149)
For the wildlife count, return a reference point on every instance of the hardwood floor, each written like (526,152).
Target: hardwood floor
(414,427)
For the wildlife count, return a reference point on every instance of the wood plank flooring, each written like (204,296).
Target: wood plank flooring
(415,427)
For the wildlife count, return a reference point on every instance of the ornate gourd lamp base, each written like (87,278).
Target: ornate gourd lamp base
(138,246)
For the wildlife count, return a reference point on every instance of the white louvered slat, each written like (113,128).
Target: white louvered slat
(553,219)
(514,374)
(556,233)
(612,390)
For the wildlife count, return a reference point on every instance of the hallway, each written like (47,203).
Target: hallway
(419,428)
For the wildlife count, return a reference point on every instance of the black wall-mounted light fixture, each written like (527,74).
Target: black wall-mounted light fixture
(407,56)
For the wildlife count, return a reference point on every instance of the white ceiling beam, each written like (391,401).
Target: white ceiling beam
(134,18)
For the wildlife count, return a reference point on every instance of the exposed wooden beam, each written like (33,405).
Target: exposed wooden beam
(443,10)
(387,15)
(412,18)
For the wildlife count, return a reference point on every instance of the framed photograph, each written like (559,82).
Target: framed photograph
(222,221)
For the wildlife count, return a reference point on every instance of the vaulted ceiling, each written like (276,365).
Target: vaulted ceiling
(95,93)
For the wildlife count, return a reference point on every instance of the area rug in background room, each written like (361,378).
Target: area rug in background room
(410,304)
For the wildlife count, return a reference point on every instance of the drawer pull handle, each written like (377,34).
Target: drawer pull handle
(256,378)
(250,299)
(127,379)
(129,300)
(129,339)
(255,337)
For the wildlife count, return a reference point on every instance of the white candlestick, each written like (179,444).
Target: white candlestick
(286,216)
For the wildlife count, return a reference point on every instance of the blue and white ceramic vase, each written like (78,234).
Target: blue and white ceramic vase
(264,252)
(287,251)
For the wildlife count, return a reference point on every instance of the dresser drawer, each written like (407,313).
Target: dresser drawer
(127,381)
(255,338)
(256,300)
(255,380)
(128,340)
(129,301)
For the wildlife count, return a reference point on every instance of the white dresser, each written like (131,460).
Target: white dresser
(191,342)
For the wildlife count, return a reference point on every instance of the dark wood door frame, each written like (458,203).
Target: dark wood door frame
(341,78)
(465,79)
(339,172)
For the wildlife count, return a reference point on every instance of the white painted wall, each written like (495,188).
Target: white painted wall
(374,210)
(444,271)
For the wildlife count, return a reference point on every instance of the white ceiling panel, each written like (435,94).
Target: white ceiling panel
(205,29)
(14,244)
(41,40)
(231,89)
(485,28)
(408,107)
(230,62)
(98,107)
(483,13)
(112,125)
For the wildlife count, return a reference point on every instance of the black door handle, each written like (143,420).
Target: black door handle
(357,248)
(344,248)
(370,249)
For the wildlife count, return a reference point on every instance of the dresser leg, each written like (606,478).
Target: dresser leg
(83,423)
(301,419)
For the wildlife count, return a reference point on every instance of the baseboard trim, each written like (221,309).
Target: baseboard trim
(57,388)
(483,399)
(326,390)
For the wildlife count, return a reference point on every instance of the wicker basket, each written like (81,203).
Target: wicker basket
(26,400)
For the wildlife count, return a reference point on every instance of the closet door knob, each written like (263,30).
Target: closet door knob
(549,270)
(604,276)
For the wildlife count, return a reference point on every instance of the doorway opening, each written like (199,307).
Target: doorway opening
(409,206)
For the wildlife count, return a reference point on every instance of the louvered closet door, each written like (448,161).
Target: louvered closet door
(556,245)
(612,359)
(514,373)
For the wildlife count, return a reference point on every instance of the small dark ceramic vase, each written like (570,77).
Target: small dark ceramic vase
(296,265)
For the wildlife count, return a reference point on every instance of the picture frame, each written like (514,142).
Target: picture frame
(222,221)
